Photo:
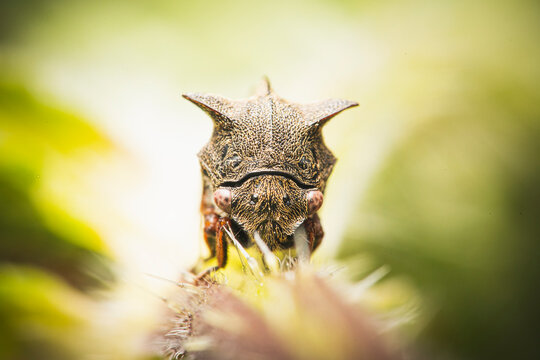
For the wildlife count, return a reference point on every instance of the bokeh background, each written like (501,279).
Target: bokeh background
(437,180)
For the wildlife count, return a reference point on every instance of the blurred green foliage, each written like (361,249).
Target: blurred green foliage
(41,317)
(45,253)
(455,208)
(31,134)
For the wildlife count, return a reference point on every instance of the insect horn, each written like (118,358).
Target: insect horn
(263,88)
(318,114)
(215,106)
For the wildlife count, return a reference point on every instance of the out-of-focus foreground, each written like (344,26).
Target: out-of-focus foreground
(437,176)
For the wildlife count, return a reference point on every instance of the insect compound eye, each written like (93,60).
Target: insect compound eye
(254,198)
(307,161)
(315,201)
(233,161)
(304,162)
(222,198)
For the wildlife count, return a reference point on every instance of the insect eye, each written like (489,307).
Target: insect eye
(304,162)
(233,161)
(253,200)
(315,200)
(222,198)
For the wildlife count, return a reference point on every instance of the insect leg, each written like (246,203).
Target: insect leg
(210,218)
(219,249)
(210,225)
(221,242)
(314,231)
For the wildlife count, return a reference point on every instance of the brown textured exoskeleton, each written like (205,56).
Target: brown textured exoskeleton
(264,170)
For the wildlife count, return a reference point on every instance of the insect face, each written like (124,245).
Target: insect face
(265,167)
(273,205)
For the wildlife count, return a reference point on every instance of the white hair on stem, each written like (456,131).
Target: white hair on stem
(270,259)
(301,244)
(254,267)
